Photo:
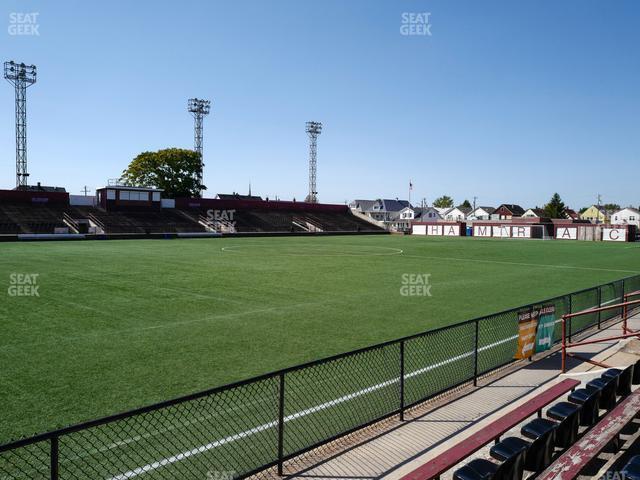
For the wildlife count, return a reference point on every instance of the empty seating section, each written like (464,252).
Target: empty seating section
(143,221)
(511,450)
(297,221)
(35,218)
(345,222)
(552,447)
(29,218)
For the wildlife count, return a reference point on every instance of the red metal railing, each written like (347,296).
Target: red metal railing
(625,312)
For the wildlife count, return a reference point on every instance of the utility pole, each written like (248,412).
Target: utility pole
(599,211)
(85,190)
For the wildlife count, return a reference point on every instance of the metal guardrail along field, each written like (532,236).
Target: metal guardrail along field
(240,429)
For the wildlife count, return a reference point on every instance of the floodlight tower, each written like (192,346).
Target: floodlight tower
(20,76)
(313,130)
(199,109)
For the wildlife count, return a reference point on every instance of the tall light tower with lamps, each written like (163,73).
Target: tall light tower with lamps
(21,76)
(313,130)
(199,109)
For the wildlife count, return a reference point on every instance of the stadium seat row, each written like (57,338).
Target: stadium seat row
(535,452)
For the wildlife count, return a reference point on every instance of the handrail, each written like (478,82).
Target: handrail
(567,316)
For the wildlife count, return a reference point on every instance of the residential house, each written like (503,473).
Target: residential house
(396,214)
(571,214)
(626,216)
(457,214)
(507,211)
(426,214)
(533,213)
(595,214)
(481,213)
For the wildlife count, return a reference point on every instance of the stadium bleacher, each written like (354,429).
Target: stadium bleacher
(22,217)
(138,221)
(553,447)
(30,218)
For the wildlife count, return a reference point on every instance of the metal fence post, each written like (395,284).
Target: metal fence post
(475,356)
(54,458)
(599,305)
(402,380)
(570,311)
(281,426)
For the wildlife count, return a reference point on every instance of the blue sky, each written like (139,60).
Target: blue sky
(507,101)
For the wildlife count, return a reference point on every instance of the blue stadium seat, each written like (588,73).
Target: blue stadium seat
(625,377)
(481,469)
(543,434)
(607,388)
(478,469)
(631,470)
(568,414)
(636,373)
(512,450)
(589,400)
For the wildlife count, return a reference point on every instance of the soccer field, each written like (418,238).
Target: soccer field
(121,324)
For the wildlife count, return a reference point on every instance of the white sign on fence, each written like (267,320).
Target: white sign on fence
(566,233)
(451,231)
(481,230)
(614,234)
(419,229)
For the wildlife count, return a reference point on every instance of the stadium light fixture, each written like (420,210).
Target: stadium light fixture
(21,76)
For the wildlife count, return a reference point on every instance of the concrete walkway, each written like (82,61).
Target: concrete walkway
(395,448)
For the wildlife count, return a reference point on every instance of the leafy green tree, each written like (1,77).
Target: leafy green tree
(173,169)
(466,204)
(611,207)
(555,208)
(443,202)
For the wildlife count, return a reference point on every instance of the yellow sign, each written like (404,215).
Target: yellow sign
(527,326)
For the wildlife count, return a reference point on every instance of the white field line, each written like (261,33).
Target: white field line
(503,262)
(210,446)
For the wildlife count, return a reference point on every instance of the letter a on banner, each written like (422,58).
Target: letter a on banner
(527,325)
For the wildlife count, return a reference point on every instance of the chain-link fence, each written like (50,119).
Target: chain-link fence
(241,429)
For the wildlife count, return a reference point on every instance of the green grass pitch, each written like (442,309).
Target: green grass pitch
(122,324)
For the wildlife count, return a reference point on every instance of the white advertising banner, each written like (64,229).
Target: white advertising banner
(502,231)
(419,229)
(614,234)
(434,229)
(481,230)
(451,231)
(521,231)
(566,233)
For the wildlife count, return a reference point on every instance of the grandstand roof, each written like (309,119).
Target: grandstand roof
(40,188)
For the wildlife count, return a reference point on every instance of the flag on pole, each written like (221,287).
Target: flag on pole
(410,185)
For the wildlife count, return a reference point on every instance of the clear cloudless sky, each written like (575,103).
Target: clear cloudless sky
(507,101)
